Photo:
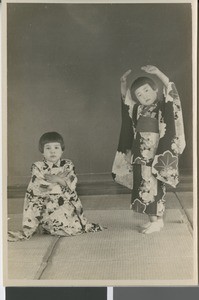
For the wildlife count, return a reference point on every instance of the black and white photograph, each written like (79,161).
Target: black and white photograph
(99,143)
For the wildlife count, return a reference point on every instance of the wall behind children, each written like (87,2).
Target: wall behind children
(64,66)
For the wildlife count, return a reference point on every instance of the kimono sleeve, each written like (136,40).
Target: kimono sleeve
(122,168)
(165,165)
(38,185)
(36,172)
(69,175)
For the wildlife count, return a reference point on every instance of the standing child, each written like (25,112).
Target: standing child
(151,139)
(51,201)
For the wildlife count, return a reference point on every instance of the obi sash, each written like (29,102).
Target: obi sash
(147,124)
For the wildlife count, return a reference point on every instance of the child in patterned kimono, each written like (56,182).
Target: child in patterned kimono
(51,201)
(151,140)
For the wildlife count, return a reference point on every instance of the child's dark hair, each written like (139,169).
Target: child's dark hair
(139,82)
(50,137)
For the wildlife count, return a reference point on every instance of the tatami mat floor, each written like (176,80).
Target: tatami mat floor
(118,253)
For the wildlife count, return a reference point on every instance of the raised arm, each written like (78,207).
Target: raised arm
(155,71)
(124,83)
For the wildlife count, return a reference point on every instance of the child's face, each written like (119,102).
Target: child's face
(52,152)
(146,95)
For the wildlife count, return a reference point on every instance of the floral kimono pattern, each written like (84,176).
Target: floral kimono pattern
(50,207)
(151,140)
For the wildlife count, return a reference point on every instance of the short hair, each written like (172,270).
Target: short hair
(50,137)
(139,82)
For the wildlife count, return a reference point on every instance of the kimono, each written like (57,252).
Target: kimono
(50,207)
(151,140)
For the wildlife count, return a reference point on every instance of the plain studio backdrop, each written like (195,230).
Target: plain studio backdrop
(64,66)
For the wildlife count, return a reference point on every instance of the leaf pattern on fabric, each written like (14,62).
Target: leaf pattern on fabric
(165,166)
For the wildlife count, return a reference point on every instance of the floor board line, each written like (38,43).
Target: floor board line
(185,216)
(46,258)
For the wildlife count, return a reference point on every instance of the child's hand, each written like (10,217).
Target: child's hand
(155,71)
(56,178)
(63,174)
(52,178)
(150,69)
(125,75)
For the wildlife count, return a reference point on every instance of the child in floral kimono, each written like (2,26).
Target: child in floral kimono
(151,140)
(51,201)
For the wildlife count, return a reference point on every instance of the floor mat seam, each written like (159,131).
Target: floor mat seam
(186,218)
(46,258)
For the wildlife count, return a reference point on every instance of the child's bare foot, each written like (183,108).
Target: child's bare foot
(145,225)
(153,226)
